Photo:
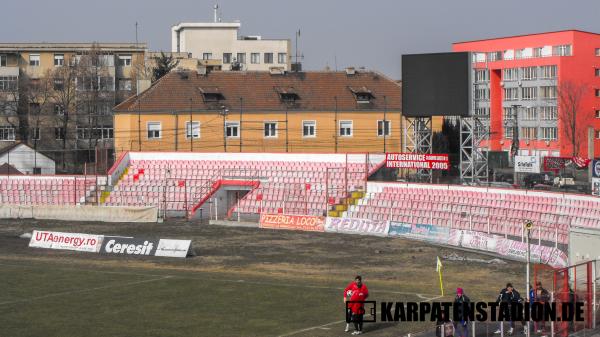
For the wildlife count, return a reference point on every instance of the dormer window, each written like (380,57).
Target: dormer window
(362,95)
(211,94)
(288,95)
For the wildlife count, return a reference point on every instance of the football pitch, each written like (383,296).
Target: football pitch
(243,282)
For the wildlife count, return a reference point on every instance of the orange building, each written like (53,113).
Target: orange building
(349,111)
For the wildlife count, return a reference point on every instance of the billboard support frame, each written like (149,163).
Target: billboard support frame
(473,161)
(418,138)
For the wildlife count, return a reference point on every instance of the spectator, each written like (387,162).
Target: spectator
(444,324)
(461,324)
(509,295)
(357,307)
(540,295)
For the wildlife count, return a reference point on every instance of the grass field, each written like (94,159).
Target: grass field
(244,282)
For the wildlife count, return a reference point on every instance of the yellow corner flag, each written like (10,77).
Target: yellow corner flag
(438,268)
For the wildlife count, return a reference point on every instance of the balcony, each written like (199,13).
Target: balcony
(9,71)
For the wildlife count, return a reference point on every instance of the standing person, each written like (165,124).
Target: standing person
(347,295)
(509,295)
(461,321)
(540,295)
(357,308)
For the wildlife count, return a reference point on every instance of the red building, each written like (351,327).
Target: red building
(546,85)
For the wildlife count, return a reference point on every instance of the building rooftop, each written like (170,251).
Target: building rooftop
(533,34)
(261,90)
(69,46)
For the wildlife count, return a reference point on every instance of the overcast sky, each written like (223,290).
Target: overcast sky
(370,33)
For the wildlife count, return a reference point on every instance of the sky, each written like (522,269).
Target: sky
(334,33)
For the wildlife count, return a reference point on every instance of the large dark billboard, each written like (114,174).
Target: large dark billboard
(436,84)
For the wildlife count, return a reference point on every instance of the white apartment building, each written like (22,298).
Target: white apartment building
(219,43)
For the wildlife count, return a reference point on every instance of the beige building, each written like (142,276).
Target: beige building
(58,97)
(219,45)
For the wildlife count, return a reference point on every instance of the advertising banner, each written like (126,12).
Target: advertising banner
(479,241)
(174,248)
(128,246)
(527,164)
(292,222)
(542,254)
(67,241)
(420,231)
(417,161)
(357,226)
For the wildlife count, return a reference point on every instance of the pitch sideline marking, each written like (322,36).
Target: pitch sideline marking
(420,295)
(84,290)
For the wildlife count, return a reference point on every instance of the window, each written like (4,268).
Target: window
(59,60)
(207,56)
(549,133)
(108,132)
(519,54)
(346,128)
(597,134)
(564,50)
(482,75)
(548,113)
(255,58)
(529,73)
(282,58)
(125,60)
(270,129)
(509,132)
(8,83)
(107,84)
(34,60)
(510,74)
(529,93)
(154,130)
(511,94)
(597,92)
(530,114)
(597,113)
(537,52)
(59,133)
(548,92)
(35,133)
(83,132)
(37,170)
(383,128)
(484,111)
(232,129)
(597,51)
(528,133)
(59,84)
(597,72)
(509,113)
(192,130)
(241,58)
(3,60)
(59,110)
(494,56)
(226,58)
(125,84)
(482,94)
(7,133)
(548,72)
(309,128)
(268,58)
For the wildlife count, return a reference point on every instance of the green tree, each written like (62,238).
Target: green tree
(164,64)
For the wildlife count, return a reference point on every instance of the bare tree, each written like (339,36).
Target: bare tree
(573,118)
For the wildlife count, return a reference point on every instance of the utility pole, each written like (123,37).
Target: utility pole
(335,127)
(514,148)
(224,111)
(286,129)
(528,227)
(191,130)
(384,123)
(241,113)
(139,125)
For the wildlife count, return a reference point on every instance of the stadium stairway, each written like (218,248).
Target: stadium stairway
(282,183)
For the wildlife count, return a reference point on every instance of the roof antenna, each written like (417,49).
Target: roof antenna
(216,8)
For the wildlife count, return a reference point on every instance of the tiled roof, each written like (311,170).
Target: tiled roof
(261,91)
